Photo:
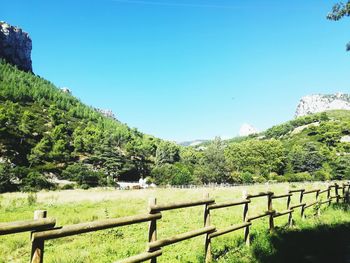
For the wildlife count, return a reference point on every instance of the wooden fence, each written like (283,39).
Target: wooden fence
(43,228)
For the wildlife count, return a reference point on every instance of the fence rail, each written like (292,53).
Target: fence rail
(43,228)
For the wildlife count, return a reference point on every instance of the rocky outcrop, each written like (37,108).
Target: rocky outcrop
(107,113)
(319,103)
(15,46)
(247,129)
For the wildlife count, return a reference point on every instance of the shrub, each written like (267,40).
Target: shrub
(174,174)
(299,177)
(32,199)
(67,187)
(84,176)
(35,181)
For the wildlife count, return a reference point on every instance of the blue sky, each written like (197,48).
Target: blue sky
(188,69)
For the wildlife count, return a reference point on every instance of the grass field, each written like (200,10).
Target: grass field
(75,206)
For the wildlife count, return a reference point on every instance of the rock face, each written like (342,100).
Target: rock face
(319,103)
(15,46)
(107,113)
(247,129)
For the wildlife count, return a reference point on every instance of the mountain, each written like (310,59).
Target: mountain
(247,129)
(192,143)
(318,103)
(48,133)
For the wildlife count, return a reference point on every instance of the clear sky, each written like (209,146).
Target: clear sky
(188,69)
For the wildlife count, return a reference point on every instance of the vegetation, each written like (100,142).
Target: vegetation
(339,11)
(47,135)
(45,132)
(78,206)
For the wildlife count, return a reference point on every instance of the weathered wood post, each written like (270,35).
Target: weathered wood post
(329,195)
(37,254)
(208,255)
(270,209)
(347,193)
(245,220)
(337,192)
(290,215)
(302,214)
(318,213)
(152,230)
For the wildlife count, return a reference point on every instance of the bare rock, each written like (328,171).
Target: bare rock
(15,47)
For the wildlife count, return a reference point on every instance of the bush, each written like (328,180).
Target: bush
(299,177)
(84,176)
(32,199)
(35,181)
(174,174)
(67,187)
(6,179)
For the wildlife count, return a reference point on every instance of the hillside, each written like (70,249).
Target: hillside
(46,133)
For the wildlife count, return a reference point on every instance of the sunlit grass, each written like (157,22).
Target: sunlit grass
(76,206)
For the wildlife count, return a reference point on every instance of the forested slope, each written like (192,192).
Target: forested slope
(46,132)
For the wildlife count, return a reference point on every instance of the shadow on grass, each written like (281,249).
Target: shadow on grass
(321,243)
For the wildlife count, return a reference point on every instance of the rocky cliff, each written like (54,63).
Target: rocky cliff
(319,103)
(15,46)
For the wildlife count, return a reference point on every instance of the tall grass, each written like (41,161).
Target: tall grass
(75,206)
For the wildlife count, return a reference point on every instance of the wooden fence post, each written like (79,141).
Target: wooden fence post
(329,195)
(337,192)
(318,203)
(37,253)
(208,255)
(290,216)
(245,219)
(269,208)
(303,207)
(152,230)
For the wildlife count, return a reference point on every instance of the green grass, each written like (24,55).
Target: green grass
(76,206)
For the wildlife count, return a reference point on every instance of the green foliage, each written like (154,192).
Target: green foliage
(212,168)
(35,181)
(174,174)
(6,178)
(44,129)
(256,157)
(339,11)
(84,176)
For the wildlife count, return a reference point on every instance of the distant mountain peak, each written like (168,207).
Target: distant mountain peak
(247,129)
(322,102)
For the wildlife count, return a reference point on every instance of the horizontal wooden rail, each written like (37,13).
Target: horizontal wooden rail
(298,205)
(142,257)
(28,225)
(228,204)
(180,237)
(229,229)
(267,213)
(93,226)
(158,208)
(296,190)
(324,191)
(285,212)
(334,197)
(259,194)
(280,196)
(325,201)
(311,204)
(311,191)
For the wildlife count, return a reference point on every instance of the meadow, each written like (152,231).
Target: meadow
(77,206)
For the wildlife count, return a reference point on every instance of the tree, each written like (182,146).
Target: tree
(339,11)
(212,167)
